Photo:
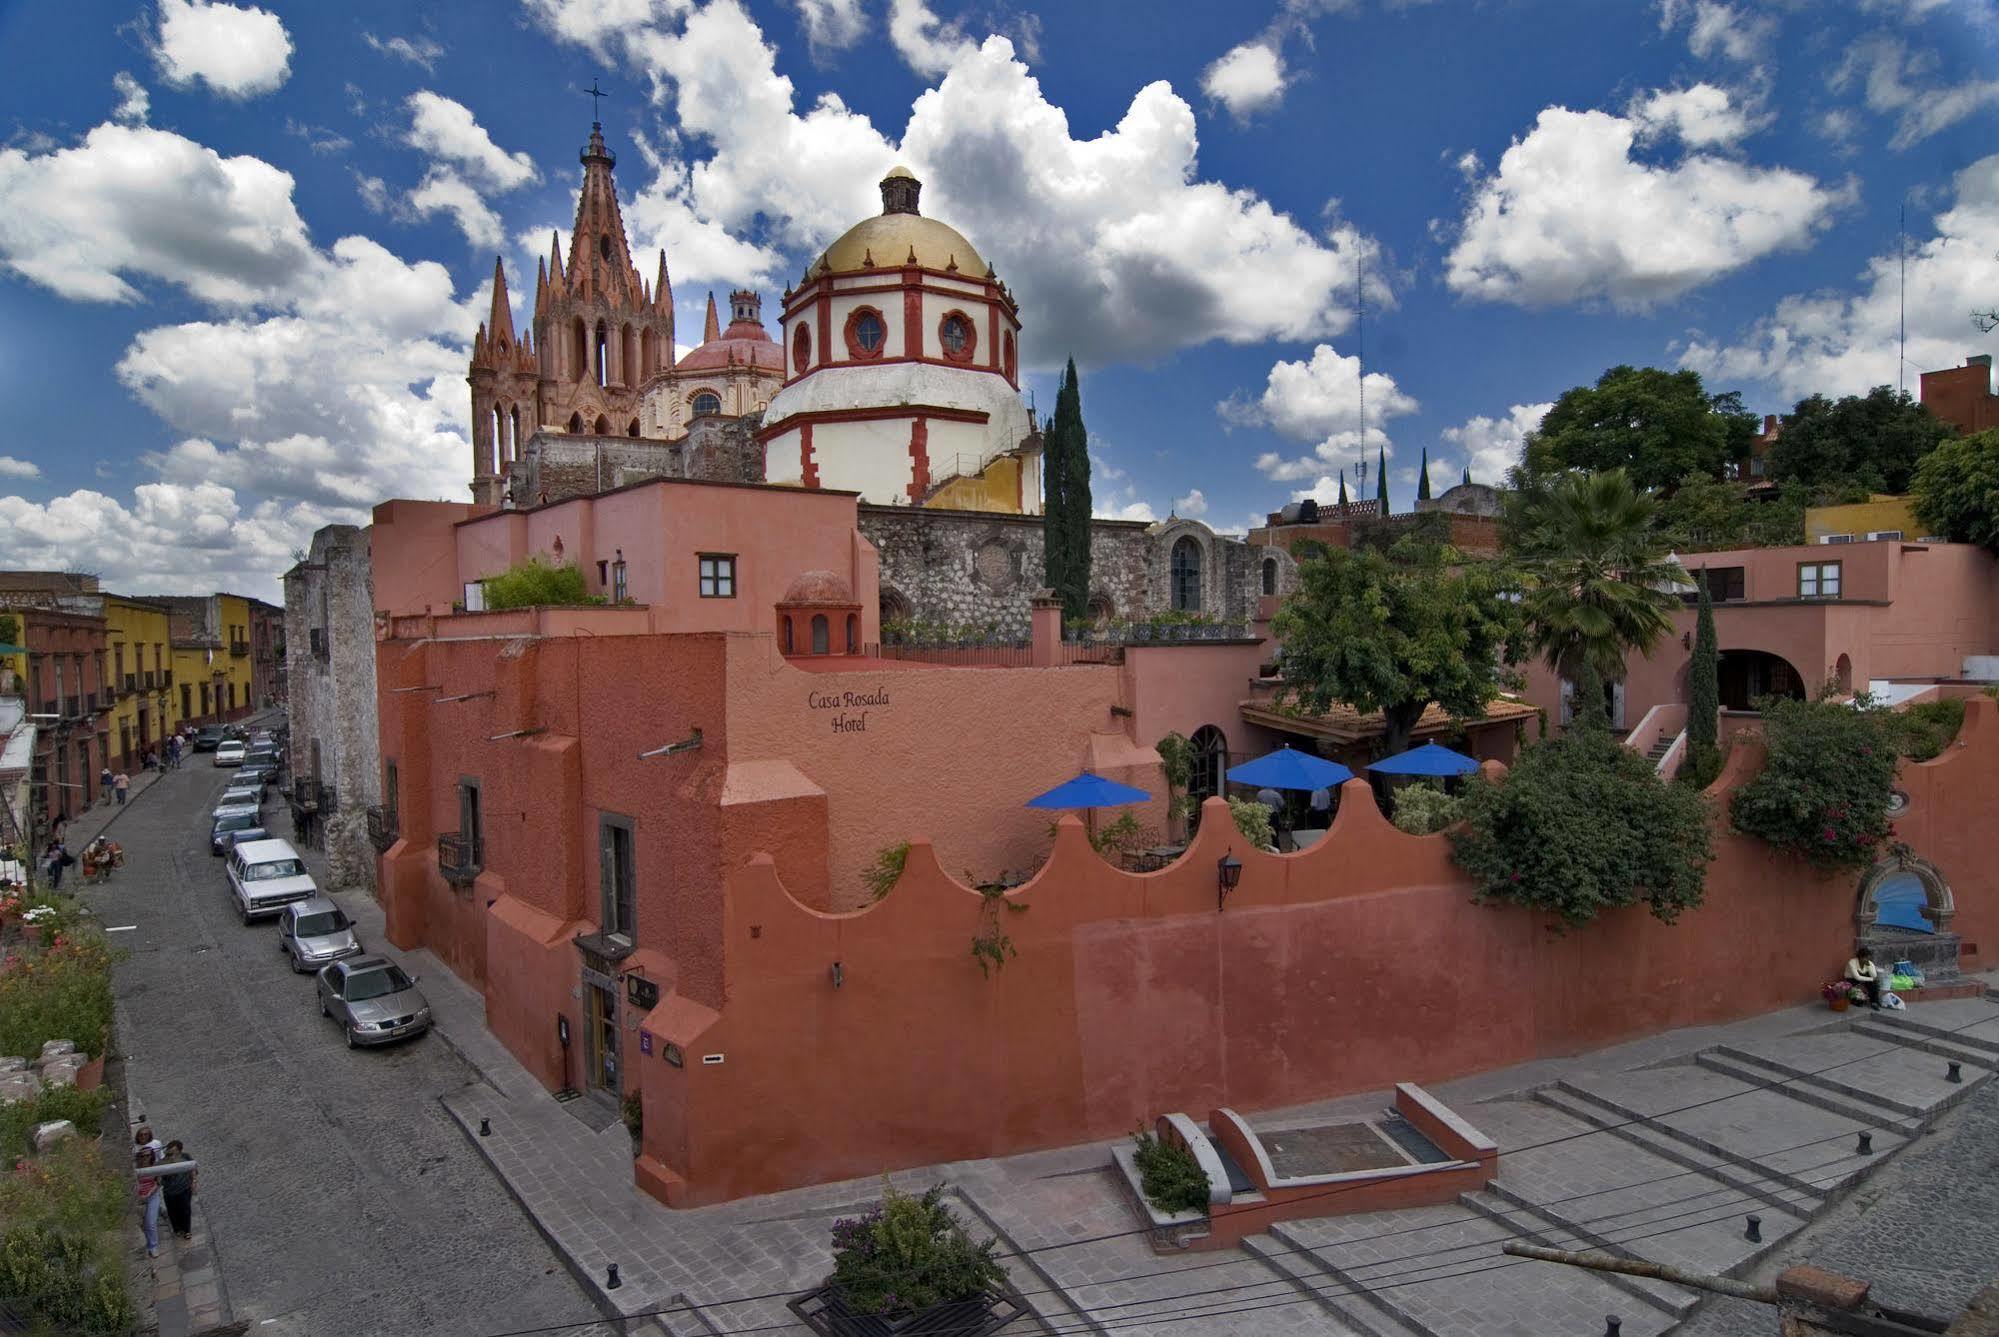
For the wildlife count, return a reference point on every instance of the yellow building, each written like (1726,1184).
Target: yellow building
(138,683)
(210,644)
(235,694)
(1879,514)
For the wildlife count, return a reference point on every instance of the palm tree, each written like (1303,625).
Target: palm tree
(1600,583)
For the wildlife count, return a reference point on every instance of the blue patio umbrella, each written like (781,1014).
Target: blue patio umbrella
(1088,791)
(1429,759)
(1288,768)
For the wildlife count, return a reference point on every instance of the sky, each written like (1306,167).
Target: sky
(243,249)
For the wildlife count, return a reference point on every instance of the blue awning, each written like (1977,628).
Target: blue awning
(1288,768)
(1089,791)
(1429,759)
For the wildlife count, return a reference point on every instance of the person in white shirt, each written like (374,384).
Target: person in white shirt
(1862,971)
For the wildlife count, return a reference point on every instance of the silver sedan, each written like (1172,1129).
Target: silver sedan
(373,1000)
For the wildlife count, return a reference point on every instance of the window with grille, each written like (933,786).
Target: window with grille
(617,877)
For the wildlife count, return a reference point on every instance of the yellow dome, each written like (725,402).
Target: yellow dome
(889,238)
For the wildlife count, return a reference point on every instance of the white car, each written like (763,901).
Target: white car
(230,753)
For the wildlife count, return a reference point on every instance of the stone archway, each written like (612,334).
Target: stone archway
(1745,676)
(1903,911)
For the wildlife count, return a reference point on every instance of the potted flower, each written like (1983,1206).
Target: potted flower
(1840,994)
(906,1267)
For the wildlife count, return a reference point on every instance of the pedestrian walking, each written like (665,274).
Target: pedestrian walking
(149,1201)
(120,783)
(143,1140)
(178,1191)
(173,753)
(104,785)
(59,859)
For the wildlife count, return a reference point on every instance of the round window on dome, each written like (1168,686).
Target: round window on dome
(801,351)
(958,336)
(707,404)
(867,333)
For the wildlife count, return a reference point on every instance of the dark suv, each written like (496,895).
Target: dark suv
(209,737)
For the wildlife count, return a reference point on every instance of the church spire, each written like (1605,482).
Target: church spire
(662,292)
(500,324)
(712,330)
(600,259)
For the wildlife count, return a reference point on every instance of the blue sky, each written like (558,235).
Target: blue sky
(243,250)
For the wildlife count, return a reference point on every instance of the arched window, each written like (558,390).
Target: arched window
(576,423)
(648,353)
(1006,344)
(498,454)
(515,414)
(604,246)
(867,333)
(633,430)
(603,341)
(1270,575)
(784,632)
(821,634)
(630,344)
(894,608)
(579,351)
(853,633)
(707,403)
(957,336)
(1186,572)
(1206,778)
(603,425)
(801,350)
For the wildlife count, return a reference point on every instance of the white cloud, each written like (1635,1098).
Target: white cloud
(1309,400)
(1571,216)
(1491,446)
(1130,510)
(1246,80)
(134,102)
(660,217)
(1845,343)
(132,201)
(594,23)
(1698,116)
(1717,28)
(237,51)
(1194,505)
(446,131)
(1906,84)
(831,25)
(417,50)
(929,45)
(1113,243)
(13,468)
(444,191)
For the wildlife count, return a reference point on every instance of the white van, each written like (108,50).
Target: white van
(265,876)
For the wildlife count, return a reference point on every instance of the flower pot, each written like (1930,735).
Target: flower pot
(1841,1004)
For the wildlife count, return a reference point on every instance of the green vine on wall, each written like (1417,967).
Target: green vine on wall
(886,870)
(991,947)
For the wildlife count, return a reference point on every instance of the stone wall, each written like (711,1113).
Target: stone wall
(329,600)
(558,465)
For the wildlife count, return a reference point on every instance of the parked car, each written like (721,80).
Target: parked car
(229,754)
(373,1000)
(265,876)
(208,738)
(315,932)
(240,793)
(235,826)
(259,773)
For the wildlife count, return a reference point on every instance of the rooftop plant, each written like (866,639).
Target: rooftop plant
(535,582)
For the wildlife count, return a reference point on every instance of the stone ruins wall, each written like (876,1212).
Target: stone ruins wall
(329,598)
(559,465)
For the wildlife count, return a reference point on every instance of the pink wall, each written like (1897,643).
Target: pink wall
(1131,994)
(413,554)
(1179,688)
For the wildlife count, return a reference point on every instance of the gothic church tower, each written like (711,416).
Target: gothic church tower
(600,332)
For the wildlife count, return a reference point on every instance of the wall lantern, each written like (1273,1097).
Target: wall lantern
(1228,872)
(1686,640)
(839,975)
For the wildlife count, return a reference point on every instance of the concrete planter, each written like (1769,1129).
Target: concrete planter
(826,1312)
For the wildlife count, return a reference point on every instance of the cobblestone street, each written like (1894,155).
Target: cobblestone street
(340,1197)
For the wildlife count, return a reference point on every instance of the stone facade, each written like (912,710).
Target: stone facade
(558,465)
(330,692)
(980,569)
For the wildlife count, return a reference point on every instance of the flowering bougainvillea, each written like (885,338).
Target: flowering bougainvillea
(1823,795)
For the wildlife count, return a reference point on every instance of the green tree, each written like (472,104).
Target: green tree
(1467,477)
(1957,490)
(1582,824)
(1395,632)
(1381,480)
(1065,510)
(1658,426)
(1423,477)
(1823,793)
(538,581)
(1703,693)
(1871,442)
(1600,585)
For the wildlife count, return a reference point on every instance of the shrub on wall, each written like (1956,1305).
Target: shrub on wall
(1929,726)
(1252,820)
(535,582)
(1824,793)
(1583,824)
(1423,809)
(1169,1176)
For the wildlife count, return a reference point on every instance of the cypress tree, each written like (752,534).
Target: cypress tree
(1423,477)
(1703,683)
(1467,473)
(1381,480)
(1065,517)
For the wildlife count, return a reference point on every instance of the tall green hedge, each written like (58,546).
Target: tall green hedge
(1823,795)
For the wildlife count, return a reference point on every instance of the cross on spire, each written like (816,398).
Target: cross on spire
(595,94)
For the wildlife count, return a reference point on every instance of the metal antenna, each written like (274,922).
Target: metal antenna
(595,93)
(1360,353)
(1902,250)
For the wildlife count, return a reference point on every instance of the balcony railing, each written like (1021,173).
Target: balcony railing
(131,682)
(149,680)
(458,857)
(382,827)
(240,649)
(305,795)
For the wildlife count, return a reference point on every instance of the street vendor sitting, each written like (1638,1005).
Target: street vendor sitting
(1863,973)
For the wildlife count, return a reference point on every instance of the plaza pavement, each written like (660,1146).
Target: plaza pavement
(1658,1149)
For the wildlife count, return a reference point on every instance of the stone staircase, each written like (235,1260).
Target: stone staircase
(1667,1163)
(1660,749)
